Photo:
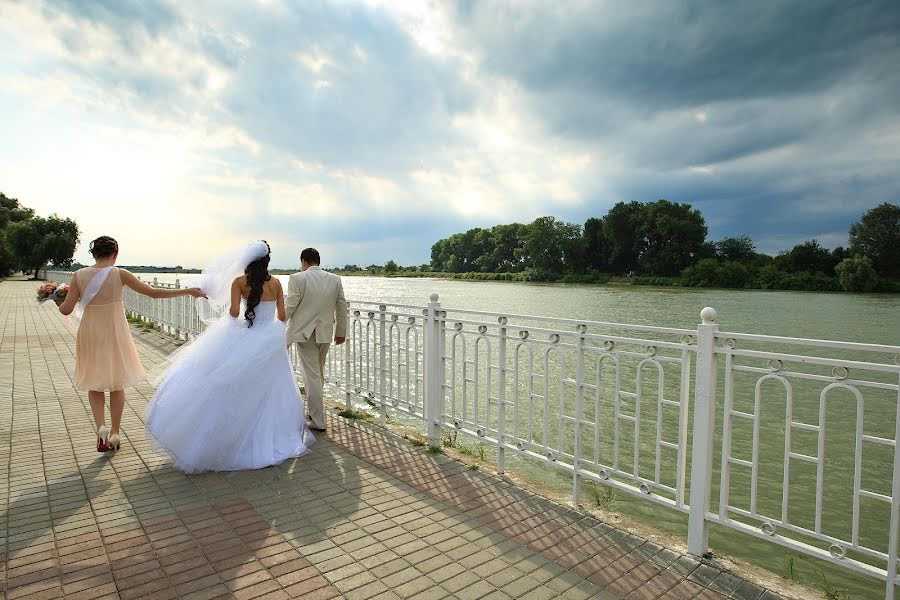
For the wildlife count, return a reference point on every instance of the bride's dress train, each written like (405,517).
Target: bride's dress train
(229,400)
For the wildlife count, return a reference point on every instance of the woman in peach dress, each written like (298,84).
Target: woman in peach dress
(105,357)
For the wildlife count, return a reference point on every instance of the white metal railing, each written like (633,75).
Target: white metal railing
(797,445)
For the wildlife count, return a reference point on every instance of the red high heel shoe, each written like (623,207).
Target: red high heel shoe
(102,439)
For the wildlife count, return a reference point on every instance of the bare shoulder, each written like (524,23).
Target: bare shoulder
(239,281)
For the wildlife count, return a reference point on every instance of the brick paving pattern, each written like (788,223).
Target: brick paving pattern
(362,516)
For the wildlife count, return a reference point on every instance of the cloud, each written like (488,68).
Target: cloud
(770,117)
(373,127)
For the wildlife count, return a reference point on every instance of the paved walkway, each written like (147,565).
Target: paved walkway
(362,516)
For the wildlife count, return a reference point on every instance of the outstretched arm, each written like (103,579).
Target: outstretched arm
(142,288)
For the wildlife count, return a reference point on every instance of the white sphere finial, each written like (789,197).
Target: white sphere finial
(434,297)
(708,315)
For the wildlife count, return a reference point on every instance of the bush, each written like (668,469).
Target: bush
(657,281)
(857,274)
(711,273)
(700,274)
(888,286)
(817,282)
(770,278)
(588,277)
(536,274)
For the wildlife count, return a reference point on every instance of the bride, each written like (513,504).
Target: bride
(229,399)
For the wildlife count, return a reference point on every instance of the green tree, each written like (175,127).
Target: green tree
(552,246)
(671,237)
(837,256)
(454,265)
(7,256)
(39,241)
(391,267)
(877,235)
(739,249)
(11,211)
(857,274)
(509,244)
(806,257)
(621,238)
(594,244)
(439,255)
(461,245)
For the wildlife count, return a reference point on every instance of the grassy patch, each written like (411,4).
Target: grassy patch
(600,495)
(790,566)
(350,413)
(830,591)
(448,438)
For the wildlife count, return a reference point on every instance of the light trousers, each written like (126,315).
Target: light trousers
(312,365)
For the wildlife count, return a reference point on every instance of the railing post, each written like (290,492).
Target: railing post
(432,372)
(501,396)
(894,536)
(704,426)
(155,321)
(347,358)
(579,411)
(178,317)
(683,425)
(381,363)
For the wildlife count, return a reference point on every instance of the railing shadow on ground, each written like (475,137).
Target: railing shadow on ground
(136,551)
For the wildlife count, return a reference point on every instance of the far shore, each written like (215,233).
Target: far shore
(590,278)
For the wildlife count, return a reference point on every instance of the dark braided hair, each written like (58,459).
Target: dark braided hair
(104,247)
(257,274)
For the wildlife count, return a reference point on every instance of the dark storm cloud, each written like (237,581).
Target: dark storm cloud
(658,55)
(772,117)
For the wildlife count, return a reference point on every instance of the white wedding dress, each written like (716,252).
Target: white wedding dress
(229,400)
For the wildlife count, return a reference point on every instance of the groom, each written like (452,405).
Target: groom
(314,305)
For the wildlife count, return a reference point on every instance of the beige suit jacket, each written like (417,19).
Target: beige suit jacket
(315,306)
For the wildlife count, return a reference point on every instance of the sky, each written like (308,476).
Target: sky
(369,129)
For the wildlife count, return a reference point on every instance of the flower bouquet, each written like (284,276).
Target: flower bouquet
(52,291)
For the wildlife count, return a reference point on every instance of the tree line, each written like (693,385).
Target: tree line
(664,242)
(29,242)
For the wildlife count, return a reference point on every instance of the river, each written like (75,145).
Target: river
(869,318)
